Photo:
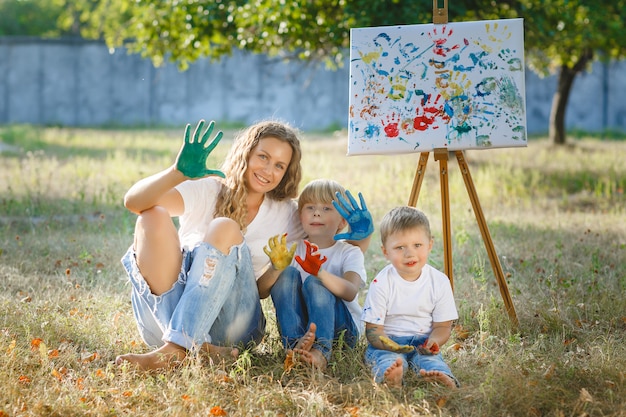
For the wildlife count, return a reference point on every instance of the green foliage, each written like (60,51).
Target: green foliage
(29,18)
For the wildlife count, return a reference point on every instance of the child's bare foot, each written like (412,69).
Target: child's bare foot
(304,345)
(169,355)
(393,374)
(313,357)
(306,341)
(220,354)
(438,376)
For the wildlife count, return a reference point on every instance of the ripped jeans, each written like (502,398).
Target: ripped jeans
(215,300)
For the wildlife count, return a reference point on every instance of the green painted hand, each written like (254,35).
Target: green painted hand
(191,159)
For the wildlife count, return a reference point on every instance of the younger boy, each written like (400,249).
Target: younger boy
(409,308)
(318,290)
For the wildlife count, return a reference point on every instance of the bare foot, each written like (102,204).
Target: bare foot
(313,357)
(306,341)
(169,355)
(304,345)
(438,376)
(220,354)
(393,374)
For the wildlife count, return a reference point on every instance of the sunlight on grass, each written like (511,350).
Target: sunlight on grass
(556,216)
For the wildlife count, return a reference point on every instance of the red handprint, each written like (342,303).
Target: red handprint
(391,127)
(313,260)
(439,47)
(430,111)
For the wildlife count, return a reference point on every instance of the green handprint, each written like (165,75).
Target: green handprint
(191,159)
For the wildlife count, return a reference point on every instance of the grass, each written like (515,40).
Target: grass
(556,216)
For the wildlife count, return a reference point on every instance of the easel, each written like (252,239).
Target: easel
(440,16)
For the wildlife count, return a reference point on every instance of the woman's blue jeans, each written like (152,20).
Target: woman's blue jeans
(298,304)
(214,300)
(380,360)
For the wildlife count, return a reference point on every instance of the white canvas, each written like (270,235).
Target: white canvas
(417,88)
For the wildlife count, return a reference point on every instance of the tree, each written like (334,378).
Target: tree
(565,37)
(561,36)
(29,18)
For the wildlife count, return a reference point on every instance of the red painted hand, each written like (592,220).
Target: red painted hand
(433,349)
(313,261)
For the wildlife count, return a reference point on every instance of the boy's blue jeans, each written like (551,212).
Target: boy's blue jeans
(298,304)
(214,300)
(380,360)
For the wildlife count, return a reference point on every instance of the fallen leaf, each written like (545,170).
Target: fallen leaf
(34,344)
(353,411)
(461,332)
(88,356)
(217,411)
(24,379)
(289,362)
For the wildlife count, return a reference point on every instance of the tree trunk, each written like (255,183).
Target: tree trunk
(567,75)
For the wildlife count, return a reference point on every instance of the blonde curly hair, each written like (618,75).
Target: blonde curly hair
(231,200)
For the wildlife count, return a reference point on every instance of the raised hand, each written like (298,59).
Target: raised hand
(278,253)
(359,218)
(428,348)
(191,159)
(312,261)
(394,347)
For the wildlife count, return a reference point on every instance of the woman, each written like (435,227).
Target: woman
(194,289)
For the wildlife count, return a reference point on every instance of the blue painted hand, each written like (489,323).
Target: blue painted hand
(359,218)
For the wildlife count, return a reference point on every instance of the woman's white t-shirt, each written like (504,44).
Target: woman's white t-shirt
(409,308)
(273,218)
(341,258)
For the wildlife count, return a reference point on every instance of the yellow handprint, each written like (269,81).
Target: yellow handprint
(278,253)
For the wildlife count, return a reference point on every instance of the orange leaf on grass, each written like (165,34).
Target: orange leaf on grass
(217,411)
(24,379)
(127,394)
(34,344)
(88,356)
(353,411)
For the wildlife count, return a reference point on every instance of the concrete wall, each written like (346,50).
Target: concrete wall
(81,83)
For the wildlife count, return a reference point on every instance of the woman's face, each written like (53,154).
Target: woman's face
(267,164)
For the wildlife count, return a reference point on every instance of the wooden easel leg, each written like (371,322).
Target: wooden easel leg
(484,230)
(419,177)
(441,155)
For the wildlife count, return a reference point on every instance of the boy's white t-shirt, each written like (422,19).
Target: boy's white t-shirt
(274,218)
(409,308)
(341,258)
